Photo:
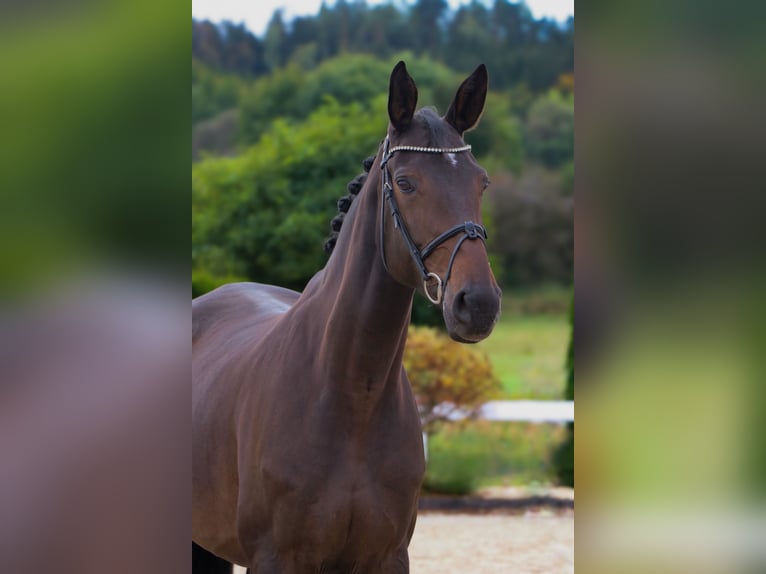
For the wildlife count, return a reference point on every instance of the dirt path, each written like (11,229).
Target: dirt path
(539,542)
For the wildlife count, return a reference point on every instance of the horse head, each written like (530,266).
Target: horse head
(431,234)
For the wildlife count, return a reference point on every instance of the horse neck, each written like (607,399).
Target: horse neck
(367,312)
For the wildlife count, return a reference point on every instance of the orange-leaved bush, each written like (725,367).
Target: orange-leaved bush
(448,375)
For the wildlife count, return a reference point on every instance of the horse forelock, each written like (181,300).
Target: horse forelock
(436,131)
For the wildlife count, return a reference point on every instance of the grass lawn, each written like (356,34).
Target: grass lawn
(528,353)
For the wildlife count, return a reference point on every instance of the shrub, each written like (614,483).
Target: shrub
(455,468)
(443,371)
(477,454)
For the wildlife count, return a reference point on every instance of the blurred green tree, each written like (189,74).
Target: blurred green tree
(550,129)
(532,228)
(468,34)
(264,215)
(426,20)
(268,98)
(275,42)
(517,48)
(213,92)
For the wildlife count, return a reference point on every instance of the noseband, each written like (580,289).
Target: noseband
(469,229)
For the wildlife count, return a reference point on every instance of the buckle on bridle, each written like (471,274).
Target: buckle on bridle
(470,230)
(439,288)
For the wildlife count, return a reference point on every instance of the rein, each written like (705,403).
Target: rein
(469,229)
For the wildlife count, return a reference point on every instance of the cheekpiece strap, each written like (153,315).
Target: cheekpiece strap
(468,229)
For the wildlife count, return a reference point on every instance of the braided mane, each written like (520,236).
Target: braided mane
(344,204)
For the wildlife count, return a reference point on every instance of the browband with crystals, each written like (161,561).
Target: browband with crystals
(429,149)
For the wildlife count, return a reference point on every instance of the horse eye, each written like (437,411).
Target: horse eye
(486,184)
(404,185)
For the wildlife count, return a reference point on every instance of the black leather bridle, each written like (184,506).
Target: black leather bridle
(469,229)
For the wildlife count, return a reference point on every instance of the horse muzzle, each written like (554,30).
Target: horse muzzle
(471,314)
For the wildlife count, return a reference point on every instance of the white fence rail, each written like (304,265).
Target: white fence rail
(521,411)
(529,411)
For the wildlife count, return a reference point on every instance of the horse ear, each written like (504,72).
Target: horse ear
(465,110)
(402,98)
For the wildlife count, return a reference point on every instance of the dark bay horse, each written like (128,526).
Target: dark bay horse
(307,451)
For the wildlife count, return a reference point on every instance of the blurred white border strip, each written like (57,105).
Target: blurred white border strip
(699,536)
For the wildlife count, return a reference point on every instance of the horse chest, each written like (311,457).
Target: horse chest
(350,510)
(357,517)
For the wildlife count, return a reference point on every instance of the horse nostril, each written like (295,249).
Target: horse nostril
(461,307)
(477,306)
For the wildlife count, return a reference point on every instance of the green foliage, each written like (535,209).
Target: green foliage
(275,42)
(203,282)
(563,456)
(468,36)
(264,214)
(213,92)
(216,136)
(349,78)
(463,458)
(294,92)
(454,468)
(498,139)
(425,25)
(550,129)
(280,192)
(443,371)
(270,97)
(521,99)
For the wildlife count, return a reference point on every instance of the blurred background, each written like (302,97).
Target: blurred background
(285,107)
(94,177)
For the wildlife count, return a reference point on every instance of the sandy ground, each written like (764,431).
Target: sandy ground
(535,542)
(538,541)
